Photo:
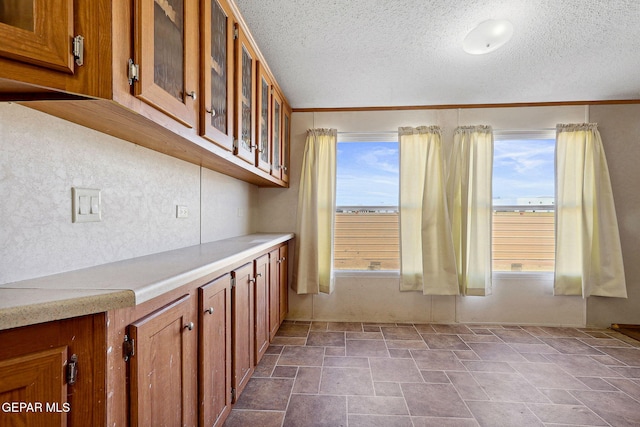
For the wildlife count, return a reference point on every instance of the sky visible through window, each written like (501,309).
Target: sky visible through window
(368,172)
(523,171)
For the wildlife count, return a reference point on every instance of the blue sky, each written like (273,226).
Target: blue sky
(523,168)
(368,172)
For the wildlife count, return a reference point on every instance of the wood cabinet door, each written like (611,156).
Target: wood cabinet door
(276,136)
(163,367)
(38,32)
(261,306)
(215,351)
(286,143)
(166,52)
(284,282)
(242,327)
(245,92)
(216,111)
(274,292)
(263,132)
(37,379)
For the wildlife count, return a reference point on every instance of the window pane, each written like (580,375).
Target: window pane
(367,206)
(523,202)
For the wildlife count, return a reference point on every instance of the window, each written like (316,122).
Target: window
(366,232)
(523,202)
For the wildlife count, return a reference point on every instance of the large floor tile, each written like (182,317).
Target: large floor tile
(507,414)
(265,394)
(368,348)
(244,418)
(394,370)
(434,400)
(616,408)
(346,381)
(315,410)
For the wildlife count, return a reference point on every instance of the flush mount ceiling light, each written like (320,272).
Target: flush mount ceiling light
(488,36)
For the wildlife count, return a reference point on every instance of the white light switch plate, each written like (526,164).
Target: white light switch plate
(182,211)
(86,205)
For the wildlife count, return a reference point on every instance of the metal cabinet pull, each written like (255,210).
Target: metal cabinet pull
(209,310)
(189,326)
(212,111)
(192,95)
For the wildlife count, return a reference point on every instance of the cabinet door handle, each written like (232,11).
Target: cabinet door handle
(192,95)
(252,280)
(189,326)
(209,310)
(283,259)
(212,111)
(259,275)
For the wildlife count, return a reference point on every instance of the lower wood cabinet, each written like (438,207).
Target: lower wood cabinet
(52,374)
(162,380)
(242,327)
(214,352)
(261,306)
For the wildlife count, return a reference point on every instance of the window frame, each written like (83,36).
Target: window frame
(524,134)
(369,137)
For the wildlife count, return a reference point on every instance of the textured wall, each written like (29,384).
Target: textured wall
(42,157)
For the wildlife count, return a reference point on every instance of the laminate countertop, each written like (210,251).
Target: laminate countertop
(123,283)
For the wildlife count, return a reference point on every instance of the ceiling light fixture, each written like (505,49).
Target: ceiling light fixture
(488,36)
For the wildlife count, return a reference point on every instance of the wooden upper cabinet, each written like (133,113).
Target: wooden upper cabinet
(276,143)
(216,48)
(245,91)
(286,142)
(38,32)
(263,153)
(166,54)
(163,367)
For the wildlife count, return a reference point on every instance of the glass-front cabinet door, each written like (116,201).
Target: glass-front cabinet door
(263,154)
(276,135)
(216,113)
(245,98)
(38,32)
(286,141)
(166,43)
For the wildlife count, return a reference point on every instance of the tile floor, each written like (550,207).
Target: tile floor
(354,374)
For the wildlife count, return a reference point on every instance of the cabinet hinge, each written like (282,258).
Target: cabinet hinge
(235,144)
(72,369)
(78,50)
(233,395)
(235,32)
(233,282)
(128,348)
(134,72)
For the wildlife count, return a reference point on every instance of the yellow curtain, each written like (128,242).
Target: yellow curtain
(427,258)
(316,214)
(588,252)
(469,195)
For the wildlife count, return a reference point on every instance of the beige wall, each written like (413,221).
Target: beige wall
(42,157)
(619,127)
(516,299)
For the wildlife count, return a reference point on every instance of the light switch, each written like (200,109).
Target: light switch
(86,205)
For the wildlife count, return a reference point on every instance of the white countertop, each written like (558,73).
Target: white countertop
(123,283)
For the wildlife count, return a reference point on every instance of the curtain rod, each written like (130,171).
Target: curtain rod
(495,130)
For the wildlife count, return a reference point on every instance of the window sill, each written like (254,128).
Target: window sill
(379,274)
(524,275)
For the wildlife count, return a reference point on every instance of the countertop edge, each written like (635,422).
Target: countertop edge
(92,300)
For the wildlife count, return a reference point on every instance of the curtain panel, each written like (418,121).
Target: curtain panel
(588,251)
(316,214)
(427,257)
(469,199)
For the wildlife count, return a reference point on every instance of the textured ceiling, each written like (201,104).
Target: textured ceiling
(364,53)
